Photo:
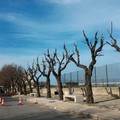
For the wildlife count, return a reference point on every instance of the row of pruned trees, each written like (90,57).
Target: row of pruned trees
(15,78)
(53,64)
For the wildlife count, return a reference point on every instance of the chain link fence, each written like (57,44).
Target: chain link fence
(107,75)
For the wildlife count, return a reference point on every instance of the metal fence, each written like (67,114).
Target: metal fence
(107,75)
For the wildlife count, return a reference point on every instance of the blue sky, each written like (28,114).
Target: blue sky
(29,27)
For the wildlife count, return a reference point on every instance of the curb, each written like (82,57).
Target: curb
(81,114)
(86,114)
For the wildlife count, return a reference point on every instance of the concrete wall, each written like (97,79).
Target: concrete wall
(113,91)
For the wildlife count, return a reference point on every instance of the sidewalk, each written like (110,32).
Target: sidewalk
(109,110)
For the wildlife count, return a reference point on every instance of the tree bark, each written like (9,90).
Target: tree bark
(60,87)
(24,87)
(38,90)
(48,87)
(89,92)
(13,87)
(20,86)
(30,87)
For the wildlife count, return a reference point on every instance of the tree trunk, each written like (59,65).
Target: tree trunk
(24,87)
(30,87)
(38,89)
(48,87)
(60,91)
(13,87)
(89,92)
(20,86)
(9,89)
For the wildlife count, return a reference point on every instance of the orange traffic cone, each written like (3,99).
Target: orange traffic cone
(2,103)
(20,101)
(36,102)
(0,99)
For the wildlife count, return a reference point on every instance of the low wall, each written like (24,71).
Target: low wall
(96,91)
(106,91)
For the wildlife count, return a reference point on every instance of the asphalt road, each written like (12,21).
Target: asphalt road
(28,111)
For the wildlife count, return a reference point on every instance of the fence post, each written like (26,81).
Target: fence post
(77,78)
(64,79)
(107,75)
(95,77)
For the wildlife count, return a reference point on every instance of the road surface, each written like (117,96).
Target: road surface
(28,111)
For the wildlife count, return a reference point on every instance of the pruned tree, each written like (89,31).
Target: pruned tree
(113,42)
(28,78)
(46,71)
(95,49)
(20,80)
(35,76)
(57,66)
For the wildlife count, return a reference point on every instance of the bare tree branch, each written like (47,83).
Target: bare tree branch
(95,50)
(114,41)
